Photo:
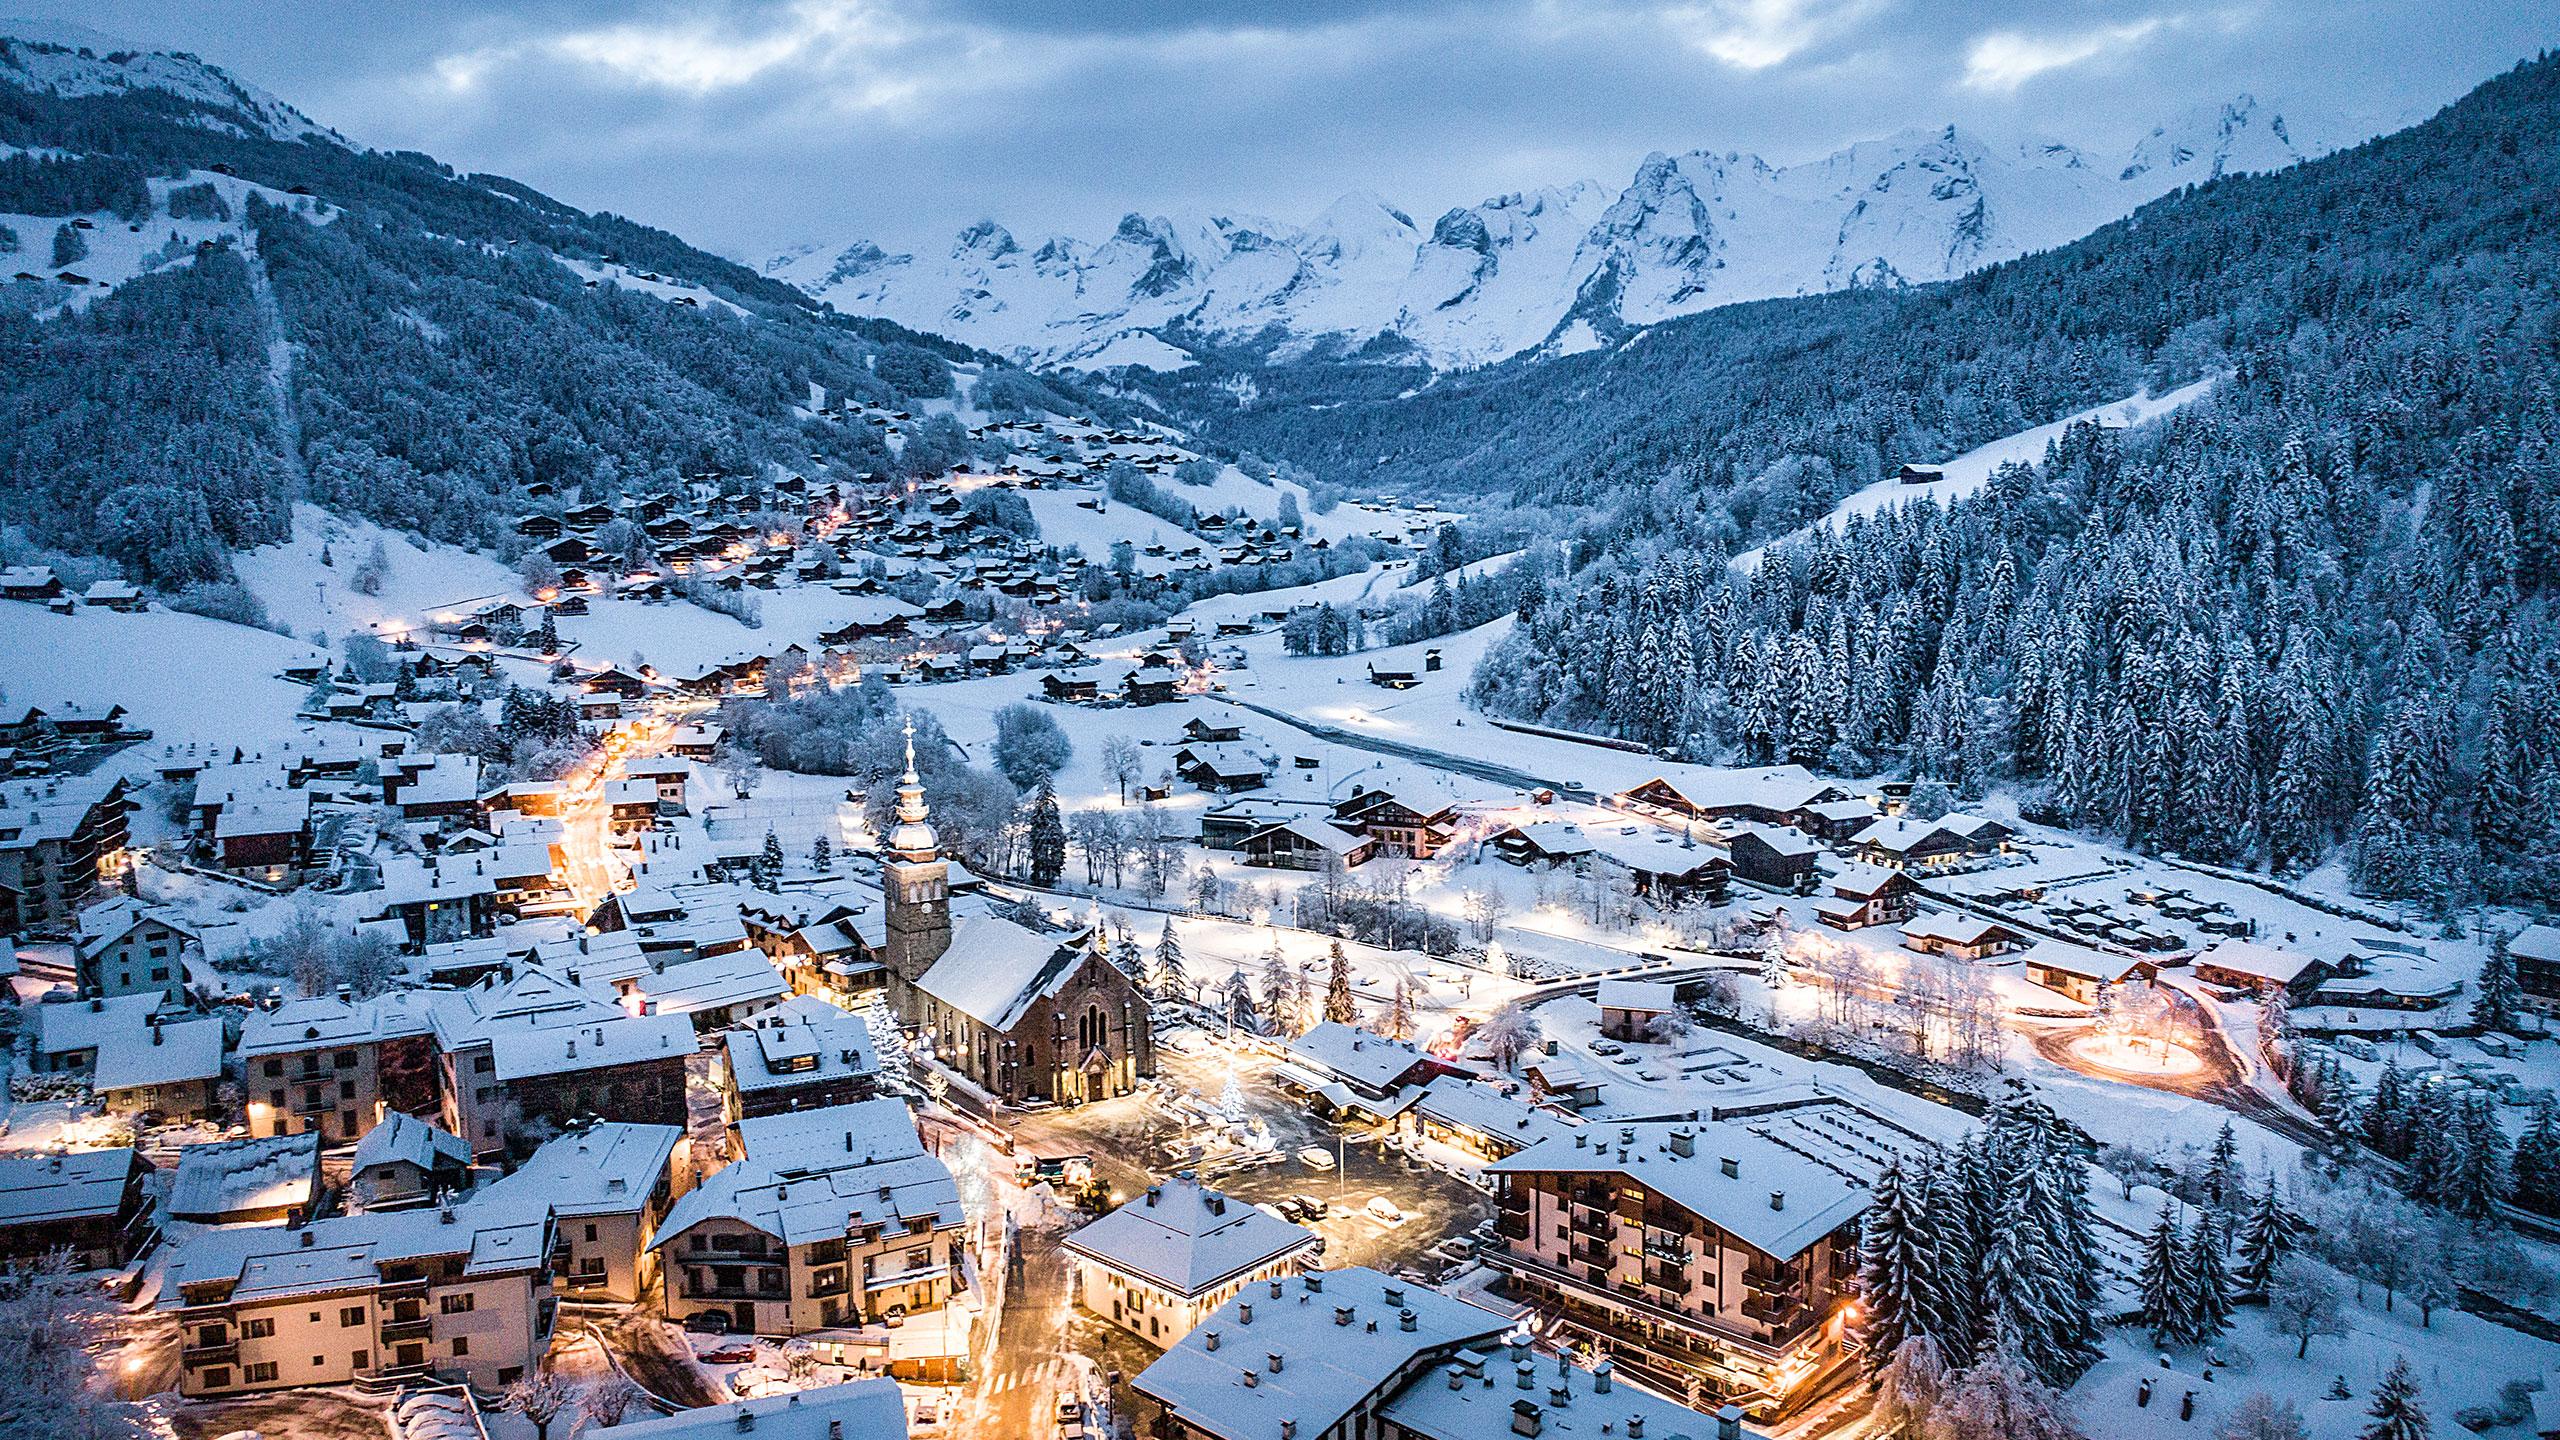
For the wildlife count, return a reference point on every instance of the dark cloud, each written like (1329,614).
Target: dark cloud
(750,126)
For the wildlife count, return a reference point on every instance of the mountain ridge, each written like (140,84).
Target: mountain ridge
(1529,268)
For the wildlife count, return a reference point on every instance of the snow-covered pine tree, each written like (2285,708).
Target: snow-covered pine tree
(1046,837)
(2534,1172)
(1238,1003)
(1886,1275)
(2223,1182)
(1338,1006)
(822,854)
(1170,978)
(2162,1283)
(2394,1413)
(2498,1001)
(2474,1179)
(2208,1281)
(2270,1233)
(1399,1021)
(766,869)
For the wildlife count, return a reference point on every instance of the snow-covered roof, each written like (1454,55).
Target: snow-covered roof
(235,1177)
(37,1189)
(1481,1107)
(325,1020)
(1341,1340)
(1779,1196)
(1476,1395)
(173,1053)
(2536,942)
(1359,1057)
(2084,961)
(405,1139)
(1774,788)
(624,1040)
(712,982)
(266,1262)
(872,1409)
(1314,832)
(1638,995)
(103,925)
(1187,1239)
(1953,927)
(64,1026)
(2263,962)
(1865,882)
(996,968)
(1784,839)
(825,1043)
(815,1174)
(606,1169)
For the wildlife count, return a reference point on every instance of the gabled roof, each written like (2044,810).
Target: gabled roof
(1185,1238)
(232,1177)
(603,1044)
(996,968)
(1814,1193)
(606,1169)
(403,1138)
(168,1054)
(38,1189)
(857,1410)
(1359,1056)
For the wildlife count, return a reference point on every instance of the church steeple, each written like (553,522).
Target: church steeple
(913,840)
(917,887)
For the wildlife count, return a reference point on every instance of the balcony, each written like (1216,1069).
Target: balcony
(734,1292)
(1513,1201)
(221,1354)
(1593,1252)
(417,1328)
(1512,1227)
(1772,1309)
(1670,1282)
(1656,1248)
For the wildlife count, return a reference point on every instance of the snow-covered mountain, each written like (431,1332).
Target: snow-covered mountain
(69,60)
(1564,267)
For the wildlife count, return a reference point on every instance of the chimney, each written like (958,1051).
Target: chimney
(1457,1377)
(1392,1295)
(1526,1418)
(1274,1358)
(1600,1376)
(1777,1199)
(155,1029)
(1152,1192)
(1244,1314)
(1635,1427)
(1252,1379)
(1525,1375)
(1276,1286)
(1209,1340)
(1729,1423)
(1732,1168)
(1684,1142)
(1559,1396)
(1341,1314)
(1288,1430)
(1405,1320)
(1315,1280)
(1519,1341)
(746,1418)
(309,1239)
(835,1430)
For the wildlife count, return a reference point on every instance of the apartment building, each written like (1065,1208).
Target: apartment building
(128,948)
(528,1047)
(832,1216)
(803,1054)
(1156,1265)
(1710,1256)
(608,1187)
(56,834)
(458,1291)
(334,1066)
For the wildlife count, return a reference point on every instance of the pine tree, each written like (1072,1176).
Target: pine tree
(2394,1411)
(1338,1006)
(1047,839)
(1885,1277)
(2474,1177)
(1171,979)
(2162,1282)
(2208,1282)
(2222,1179)
(822,855)
(2269,1234)
(2499,999)
(2534,1172)
(1399,1022)
(766,869)
(1238,1003)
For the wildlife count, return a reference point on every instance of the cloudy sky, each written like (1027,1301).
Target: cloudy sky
(749,126)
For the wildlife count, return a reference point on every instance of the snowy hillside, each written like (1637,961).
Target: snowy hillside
(72,61)
(1558,267)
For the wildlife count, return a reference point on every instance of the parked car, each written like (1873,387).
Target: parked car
(707,1322)
(730,1355)
(1316,1157)
(1314,1206)
(1384,1211)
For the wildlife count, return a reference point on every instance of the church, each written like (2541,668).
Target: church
(1021,1015)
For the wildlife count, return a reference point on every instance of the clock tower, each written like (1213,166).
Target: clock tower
(916,885)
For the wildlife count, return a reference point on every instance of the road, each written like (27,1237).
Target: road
(1397,749)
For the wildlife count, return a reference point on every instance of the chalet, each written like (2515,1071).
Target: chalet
(803,1054)
(1628,1007)
(1776,857)
(267,832)
(127,948)
(2536,952)
(1771,795)
(119,595)
(538,527)
(1356,1074)
(1203,732)
(1836,820)
(1865,895)
(1902,843)
(1957,936)
(1393,679)
(2265,969)
(1305,845)
(1918,475)
(1070,689)
(1484,1119)
(614,680)
(247,1182)
(1160,1263)
(1221,769)
(88,1204)
(1152,683)
(406,1161)
(29,582)
(2079,971)
(1396,827)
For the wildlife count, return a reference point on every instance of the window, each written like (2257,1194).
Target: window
(219,1378)
(350,1316)
(510,1374)
(456,1304)
(591,1232)
(319,1362)
(461,1346)
(257,1329)
(346,1089)
(344,1059)
(275,1067)
(275,1097)
(364,1360)
(258,1374)
(591,1265)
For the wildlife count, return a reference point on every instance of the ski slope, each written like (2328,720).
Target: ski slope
(1965,474)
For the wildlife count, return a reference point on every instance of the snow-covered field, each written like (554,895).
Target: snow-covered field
(182,677)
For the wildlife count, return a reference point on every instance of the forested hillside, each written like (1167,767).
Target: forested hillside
(381,334)
(2316,608)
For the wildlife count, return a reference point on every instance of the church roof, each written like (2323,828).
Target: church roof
(995,969)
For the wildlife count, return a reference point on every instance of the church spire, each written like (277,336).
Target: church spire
(913,840)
